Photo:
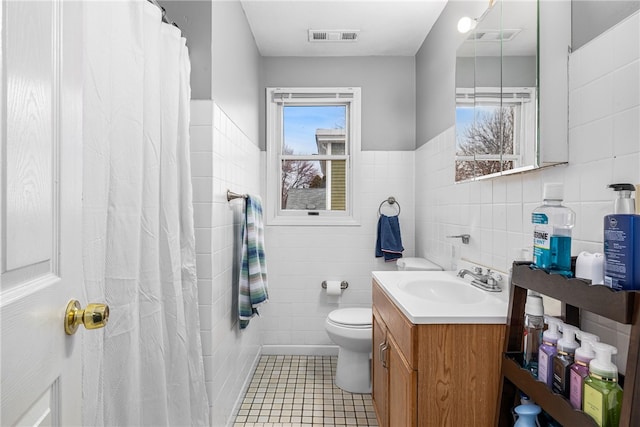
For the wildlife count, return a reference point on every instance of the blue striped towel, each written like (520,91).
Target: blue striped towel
(253,271)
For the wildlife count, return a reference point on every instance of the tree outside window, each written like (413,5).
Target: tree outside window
(483,142)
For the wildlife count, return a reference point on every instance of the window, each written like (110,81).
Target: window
(313,139)
(495,130)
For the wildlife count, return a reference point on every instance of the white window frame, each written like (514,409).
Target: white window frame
(525,120)
(276,99)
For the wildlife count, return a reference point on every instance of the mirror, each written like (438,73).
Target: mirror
(497,93)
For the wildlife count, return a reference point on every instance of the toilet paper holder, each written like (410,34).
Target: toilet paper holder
(343,285)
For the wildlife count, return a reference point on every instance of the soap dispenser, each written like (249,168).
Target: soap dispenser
(567,346)
(579,371)
(622,242)
(624,204)
(548,350)
(602,395)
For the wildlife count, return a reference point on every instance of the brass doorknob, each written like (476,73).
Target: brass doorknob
(95,316)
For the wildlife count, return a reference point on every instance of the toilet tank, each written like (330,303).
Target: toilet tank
(416,264)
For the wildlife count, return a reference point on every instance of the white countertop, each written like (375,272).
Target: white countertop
(471,308)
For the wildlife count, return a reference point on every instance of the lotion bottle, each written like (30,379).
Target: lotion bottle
(567,346)
(602,395)
(548,350)
(579,371)
(622,242)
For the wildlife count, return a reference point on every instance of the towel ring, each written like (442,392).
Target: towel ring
(391,201)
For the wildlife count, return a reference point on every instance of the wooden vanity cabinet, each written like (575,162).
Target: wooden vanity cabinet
(403,380)
(379,371)
(394,379)
(433,375)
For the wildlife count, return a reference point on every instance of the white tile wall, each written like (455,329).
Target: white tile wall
(604,147)
(222,158)
(300,258)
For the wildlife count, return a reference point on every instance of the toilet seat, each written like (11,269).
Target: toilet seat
(356,318)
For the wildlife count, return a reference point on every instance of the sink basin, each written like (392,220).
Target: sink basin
(443,290)
(441,297)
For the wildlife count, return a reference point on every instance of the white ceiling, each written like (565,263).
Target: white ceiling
(387,28)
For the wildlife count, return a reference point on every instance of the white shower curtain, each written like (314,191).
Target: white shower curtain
(145,367)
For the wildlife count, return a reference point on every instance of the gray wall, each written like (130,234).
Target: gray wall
(225,62)
(590,18)
(194,19)
(435,71)
(388,92)
(236,67)
(516,71)
(398,108)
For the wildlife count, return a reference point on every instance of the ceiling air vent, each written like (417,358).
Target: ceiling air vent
(494,35)
(333,35)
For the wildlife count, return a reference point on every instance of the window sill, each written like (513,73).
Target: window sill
(313,221)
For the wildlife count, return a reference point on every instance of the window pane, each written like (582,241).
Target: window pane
(486,132)
(318,129)
(311,185)
(464,122)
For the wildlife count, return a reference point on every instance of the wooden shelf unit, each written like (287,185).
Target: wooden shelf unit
(576,295)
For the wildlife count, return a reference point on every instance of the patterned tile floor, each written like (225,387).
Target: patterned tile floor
(288,391)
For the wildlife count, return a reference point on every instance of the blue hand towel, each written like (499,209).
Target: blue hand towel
(253,269)
(389,241)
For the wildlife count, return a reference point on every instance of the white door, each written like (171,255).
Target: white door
(40,231)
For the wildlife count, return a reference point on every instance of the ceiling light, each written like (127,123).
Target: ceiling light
(466,24)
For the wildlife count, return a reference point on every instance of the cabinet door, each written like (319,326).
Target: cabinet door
(403,389)
(379,372)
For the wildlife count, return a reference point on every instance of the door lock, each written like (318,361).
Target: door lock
(95,316)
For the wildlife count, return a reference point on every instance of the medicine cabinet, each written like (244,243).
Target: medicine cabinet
(511,90)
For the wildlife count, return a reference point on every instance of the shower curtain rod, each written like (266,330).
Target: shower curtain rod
(165,19)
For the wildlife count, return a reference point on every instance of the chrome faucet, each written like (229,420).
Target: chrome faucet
(476,273)
(487,281)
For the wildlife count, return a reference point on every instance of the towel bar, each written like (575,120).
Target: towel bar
(231,195)
(343,285)
(464,237)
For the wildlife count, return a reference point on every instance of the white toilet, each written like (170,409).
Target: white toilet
(350,329)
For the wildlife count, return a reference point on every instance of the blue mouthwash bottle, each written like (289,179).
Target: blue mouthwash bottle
(552,224)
